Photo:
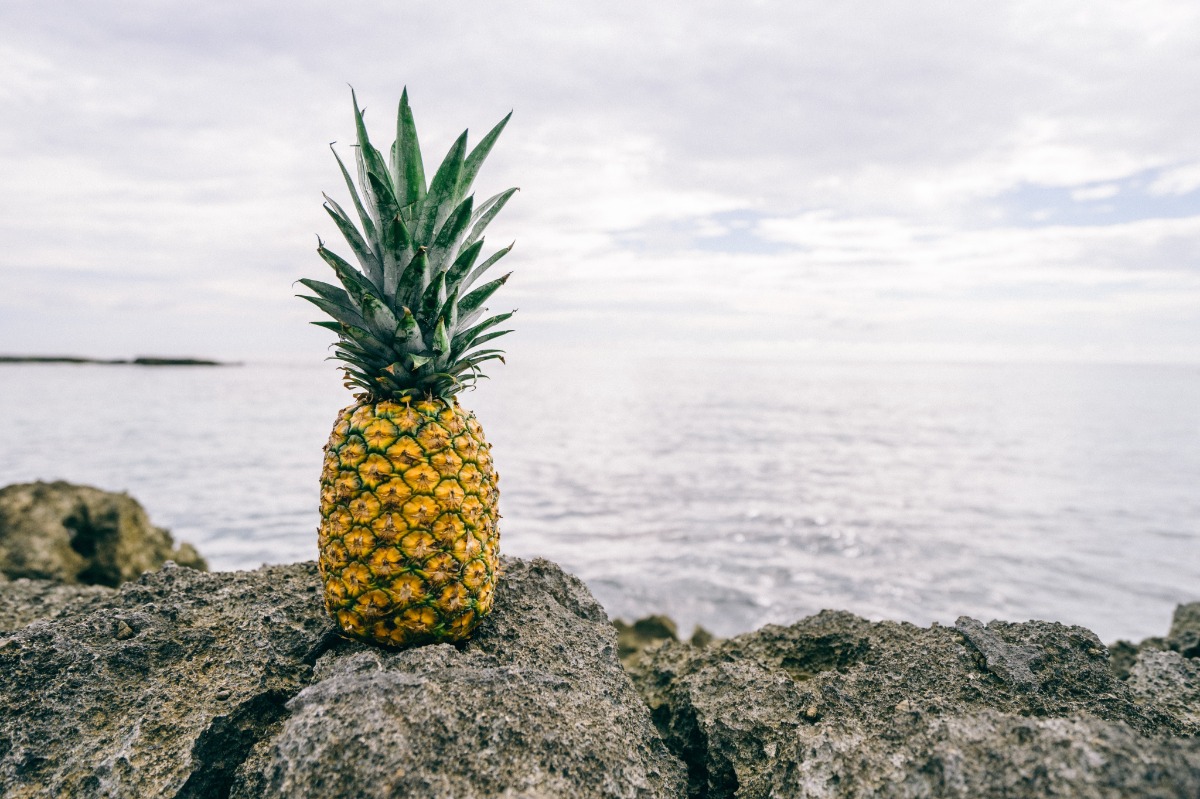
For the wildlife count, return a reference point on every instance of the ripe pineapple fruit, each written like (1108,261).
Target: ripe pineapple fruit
(409,545)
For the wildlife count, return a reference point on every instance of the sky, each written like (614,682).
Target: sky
(851,180)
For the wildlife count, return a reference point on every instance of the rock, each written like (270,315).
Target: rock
(159,688)
(78,534)
(633,638)
(536,704)
(1184,636)
(1168,680)
(701,637)
(1009,662)
(27,600)
(985,754)
(188,684)
(837,706)
(649,632)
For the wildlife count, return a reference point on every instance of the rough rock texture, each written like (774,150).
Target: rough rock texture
(78,534)
(186,684)
(23,601)
(161,688)
(535,704)
(1184,636)
(836,706)
(1170,681)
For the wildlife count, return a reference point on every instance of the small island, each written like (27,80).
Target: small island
(139,361)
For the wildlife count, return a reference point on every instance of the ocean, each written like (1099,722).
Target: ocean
(723,493)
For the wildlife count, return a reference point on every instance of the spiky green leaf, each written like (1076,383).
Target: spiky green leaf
(382,321)
(356,283)
(466,339)
(462,265)
(446,243)
(440,200)
(486,265)
(409,335)
(433,299)
(367,223)
(479,296)
(328,291)
(487,212)
(374,161)
(338,312)
(441,341)
(412,285)
(475,160)
(363,251)
(407,168)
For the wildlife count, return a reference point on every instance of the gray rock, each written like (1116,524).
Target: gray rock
(1170,681)
(984,754)
(535,705)
(1009,662)
(24,600)
(1184,636)
(649,632)
(79,534)
(160,688)
(836,706)
(187,684)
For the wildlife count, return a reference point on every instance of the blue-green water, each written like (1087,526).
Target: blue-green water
(728,494)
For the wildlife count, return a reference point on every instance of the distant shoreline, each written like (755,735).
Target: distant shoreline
(140,361)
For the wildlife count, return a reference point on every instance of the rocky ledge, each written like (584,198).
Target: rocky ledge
(189,684)
(837,706)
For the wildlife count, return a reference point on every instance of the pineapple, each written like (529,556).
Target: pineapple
(409,544)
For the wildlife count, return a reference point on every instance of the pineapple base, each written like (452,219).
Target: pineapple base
(409,542)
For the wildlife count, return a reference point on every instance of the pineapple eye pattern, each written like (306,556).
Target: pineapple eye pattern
(409,556)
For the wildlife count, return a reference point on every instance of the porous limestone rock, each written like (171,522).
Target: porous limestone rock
(1184,636)
(535,704)
(190,684)
(79,534)
(159,688)
(25,600)
(1170,681)
(837,706)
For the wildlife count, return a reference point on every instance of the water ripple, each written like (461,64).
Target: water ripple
(917,492)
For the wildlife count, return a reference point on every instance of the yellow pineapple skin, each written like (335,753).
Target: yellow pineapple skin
(409,538)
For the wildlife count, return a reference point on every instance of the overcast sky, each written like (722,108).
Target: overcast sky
(875,179)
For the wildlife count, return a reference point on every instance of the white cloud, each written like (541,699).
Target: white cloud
(164,163)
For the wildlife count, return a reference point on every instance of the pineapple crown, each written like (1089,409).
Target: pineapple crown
(408,322)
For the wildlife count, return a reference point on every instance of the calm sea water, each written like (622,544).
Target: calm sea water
(725,494)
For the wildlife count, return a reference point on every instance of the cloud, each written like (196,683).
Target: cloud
(854,175)
(1180,180)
